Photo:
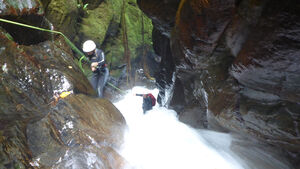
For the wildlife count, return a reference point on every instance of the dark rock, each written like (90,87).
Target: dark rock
(35,133)
(26,12)
(165,76)
(163,21)
(237,62)
(79,127)
(271,64)
(199,27)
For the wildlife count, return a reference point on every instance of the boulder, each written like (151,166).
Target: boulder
(36,132)
(80,132)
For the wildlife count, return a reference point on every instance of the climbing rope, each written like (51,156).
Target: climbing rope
(83,57)
(52,31)
(121,91)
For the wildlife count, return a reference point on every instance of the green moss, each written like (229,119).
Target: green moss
(134,27)
(95,25)
(103,25)
(63,15)
(114,45)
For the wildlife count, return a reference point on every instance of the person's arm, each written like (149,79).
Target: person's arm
(139,94)
(101,58)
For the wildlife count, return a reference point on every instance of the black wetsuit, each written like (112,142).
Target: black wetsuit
(100,75)
(147,102)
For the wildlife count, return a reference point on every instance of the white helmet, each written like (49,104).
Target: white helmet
(88,46)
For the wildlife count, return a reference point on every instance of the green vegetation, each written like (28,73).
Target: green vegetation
(83,7)
(133,17)
(82,20)
(103,25)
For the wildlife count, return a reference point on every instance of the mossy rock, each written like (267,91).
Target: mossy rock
(113,45)
(63,15)
(103,25)
(96,22)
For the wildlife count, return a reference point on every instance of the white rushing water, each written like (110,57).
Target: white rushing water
(157,140)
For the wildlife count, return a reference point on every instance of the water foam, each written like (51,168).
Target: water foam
(157,140)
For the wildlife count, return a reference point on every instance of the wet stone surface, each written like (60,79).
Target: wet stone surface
(36,133)
(238,61)
(78,132)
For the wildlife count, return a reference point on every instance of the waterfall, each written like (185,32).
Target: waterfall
(157,140)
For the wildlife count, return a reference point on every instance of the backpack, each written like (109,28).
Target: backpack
(152,99)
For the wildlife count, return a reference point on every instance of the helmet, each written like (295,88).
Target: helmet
(88,46)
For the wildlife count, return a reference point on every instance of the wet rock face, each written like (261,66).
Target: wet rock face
(271,64)
(29,77)
(31,74)
(164,77)
(268,72)
(237,61)
(163,21)
(199,27)
(10,7)
(79,131)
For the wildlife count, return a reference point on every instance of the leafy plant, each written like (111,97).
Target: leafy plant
(84,7)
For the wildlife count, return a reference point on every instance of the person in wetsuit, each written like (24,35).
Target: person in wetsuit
(148,101)
(98,66)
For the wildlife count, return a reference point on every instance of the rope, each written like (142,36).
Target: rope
(51,31)
(83,57)
(121,91)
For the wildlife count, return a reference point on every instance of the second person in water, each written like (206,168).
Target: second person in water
(148,101)
(98,66)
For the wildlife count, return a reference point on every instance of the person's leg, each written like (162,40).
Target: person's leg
(102,81)
(147,105)
(94,80)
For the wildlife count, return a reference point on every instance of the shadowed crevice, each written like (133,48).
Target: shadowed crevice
(24,35)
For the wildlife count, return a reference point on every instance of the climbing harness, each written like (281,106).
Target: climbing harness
(83,57)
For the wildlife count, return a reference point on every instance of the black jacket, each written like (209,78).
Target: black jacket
(99,57)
